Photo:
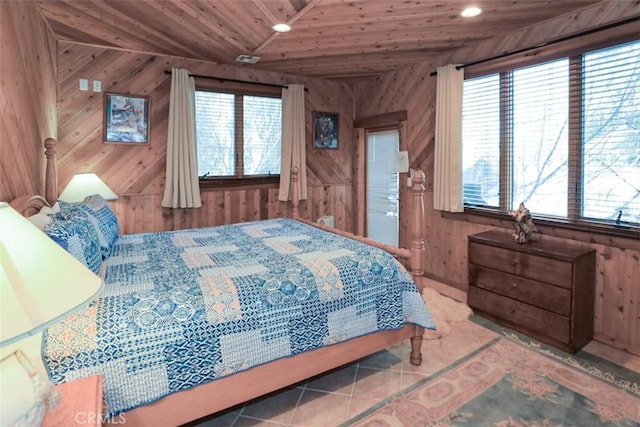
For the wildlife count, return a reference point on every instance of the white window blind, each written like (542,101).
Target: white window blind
(238,135)
(382,186)
(611,134)
(481,141)
(215,133)
(561,136)
(262,131)
(539,134)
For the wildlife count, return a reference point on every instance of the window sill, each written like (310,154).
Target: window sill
(225,182)
(625,237)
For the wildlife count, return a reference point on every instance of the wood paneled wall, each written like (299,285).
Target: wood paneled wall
(137,173)
(617,311)
(27,98)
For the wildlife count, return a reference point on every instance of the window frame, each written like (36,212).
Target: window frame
(239,90)
(573,227)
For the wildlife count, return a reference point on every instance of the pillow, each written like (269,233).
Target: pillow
(97,207)
(100,215)
(78,237)
(40,220)
(44,217)
(51,210)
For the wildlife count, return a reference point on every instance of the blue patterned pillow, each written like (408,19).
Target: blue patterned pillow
(78,237)
(100,215)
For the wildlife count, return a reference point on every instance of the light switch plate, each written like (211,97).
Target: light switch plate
(84,84)
(97,86)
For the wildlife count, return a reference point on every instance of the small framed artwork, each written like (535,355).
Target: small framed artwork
(325,130)
(126,119)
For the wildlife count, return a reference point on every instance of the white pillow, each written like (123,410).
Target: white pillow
(40,220)
(50,210)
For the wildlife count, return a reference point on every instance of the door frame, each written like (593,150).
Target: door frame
(389,121)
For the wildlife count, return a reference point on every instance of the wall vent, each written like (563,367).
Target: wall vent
(248,59)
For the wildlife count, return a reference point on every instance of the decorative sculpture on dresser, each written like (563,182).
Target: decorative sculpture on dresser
(524,224)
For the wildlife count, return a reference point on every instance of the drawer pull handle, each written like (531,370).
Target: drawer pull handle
(514,284)
(512,310)
(514,261)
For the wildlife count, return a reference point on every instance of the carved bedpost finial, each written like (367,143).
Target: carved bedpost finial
(295,194)
(51,173)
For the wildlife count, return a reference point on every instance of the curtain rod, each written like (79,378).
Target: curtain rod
(549,43)
(224,79)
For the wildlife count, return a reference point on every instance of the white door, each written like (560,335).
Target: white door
(382,186)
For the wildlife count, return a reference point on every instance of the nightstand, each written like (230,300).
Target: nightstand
(80,404)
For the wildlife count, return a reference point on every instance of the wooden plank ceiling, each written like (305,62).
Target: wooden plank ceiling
(330,38)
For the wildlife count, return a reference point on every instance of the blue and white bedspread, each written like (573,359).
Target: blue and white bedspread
(186,307)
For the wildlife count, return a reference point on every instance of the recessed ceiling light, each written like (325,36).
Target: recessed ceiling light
(281,28)
(470,12)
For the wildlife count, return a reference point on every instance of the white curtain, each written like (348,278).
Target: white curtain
(293,141)
(181,188)
(447,180)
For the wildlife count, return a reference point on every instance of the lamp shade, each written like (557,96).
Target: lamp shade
(86,184)
(40,283)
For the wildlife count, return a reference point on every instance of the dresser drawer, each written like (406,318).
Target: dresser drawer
(520,314)
(547,297)
(535,267)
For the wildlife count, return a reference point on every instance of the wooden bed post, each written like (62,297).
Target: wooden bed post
(417,255)
(417,228)
(51,174)
(295,194)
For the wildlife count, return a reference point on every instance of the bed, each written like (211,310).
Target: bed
(193,322)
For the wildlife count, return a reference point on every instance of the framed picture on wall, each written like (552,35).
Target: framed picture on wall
(325,130)
(126,119)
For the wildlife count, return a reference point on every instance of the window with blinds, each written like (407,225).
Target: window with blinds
(561,136)
(238,135)
(481,141)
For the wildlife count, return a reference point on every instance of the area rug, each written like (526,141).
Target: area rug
(444,311)
(508,384)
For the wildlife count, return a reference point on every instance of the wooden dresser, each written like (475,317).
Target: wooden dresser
(544,289)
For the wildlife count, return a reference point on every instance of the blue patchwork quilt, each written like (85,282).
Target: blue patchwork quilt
(186,307)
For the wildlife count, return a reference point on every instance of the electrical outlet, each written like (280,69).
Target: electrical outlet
(97,86)
(84,84)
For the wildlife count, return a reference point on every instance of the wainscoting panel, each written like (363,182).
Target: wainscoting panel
(142,213)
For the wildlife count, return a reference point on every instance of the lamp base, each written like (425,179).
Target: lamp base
(25,392)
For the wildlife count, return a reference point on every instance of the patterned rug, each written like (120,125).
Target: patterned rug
(511,382)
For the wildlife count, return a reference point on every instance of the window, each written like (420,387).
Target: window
(561,136)
(481,141)
(238,135)
(540,137)
(611,127)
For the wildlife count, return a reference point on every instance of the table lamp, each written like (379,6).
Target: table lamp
(83,185)
(40,284)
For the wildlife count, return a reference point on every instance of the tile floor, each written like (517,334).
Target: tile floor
(338,396)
